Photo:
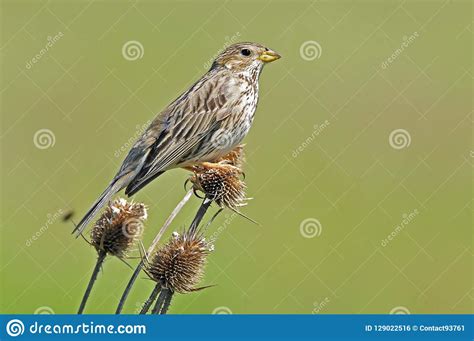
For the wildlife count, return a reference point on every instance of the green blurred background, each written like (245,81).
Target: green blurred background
(328,186)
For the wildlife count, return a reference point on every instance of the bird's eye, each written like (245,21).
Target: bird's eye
(245,52)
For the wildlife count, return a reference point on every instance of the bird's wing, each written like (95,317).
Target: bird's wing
(186,122)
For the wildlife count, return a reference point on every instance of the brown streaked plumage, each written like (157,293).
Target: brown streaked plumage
(201,125)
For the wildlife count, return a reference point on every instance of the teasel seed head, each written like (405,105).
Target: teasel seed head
(220,182)
(179,264)
(119,227)
(235,157)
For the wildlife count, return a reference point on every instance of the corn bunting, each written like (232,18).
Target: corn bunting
(203,124)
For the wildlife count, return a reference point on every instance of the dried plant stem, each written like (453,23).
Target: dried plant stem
(151,299)
(129,287)
(163,302)
(98,265)
(206,203)
(168,221)
(166,294)
(153,245)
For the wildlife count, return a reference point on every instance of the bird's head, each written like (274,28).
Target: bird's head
(243,57)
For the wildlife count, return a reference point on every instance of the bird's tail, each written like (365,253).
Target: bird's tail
(104,198)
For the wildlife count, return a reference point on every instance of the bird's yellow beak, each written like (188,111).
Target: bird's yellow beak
(269,56)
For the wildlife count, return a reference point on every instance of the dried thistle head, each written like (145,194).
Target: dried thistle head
(179,264)
(119,227)
(220,182)
(235,157)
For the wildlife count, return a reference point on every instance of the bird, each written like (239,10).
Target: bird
(203,124)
